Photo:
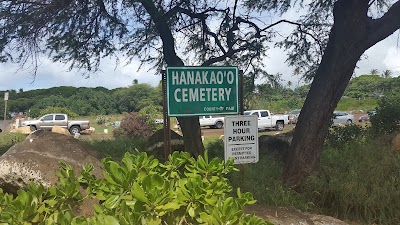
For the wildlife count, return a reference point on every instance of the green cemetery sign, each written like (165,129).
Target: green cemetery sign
(202,91)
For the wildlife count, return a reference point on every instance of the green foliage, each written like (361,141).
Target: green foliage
(150,114)
(339,137)
(358,182)
(64,110)
(348,104)
(116,148)
(263,180)
(387,118)
(136,97)
(139,190)
(133,125)
(102,119)
(9,139)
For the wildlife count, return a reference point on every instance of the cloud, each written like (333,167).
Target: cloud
(51,74)
(385,55)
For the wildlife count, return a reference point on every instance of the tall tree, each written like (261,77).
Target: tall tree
(387,74)
(81,33)
(343,30)
(374,72)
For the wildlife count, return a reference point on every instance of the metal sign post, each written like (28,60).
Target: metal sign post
(5,109)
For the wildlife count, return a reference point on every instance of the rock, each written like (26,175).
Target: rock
(60,130)
(37,159)
(271,145)
(156,143)
(22,130)
(290,216)
(89,131)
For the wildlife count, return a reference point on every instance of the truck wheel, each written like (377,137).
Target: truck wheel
(33,128)
(75,130)
(279,125)
(219,125)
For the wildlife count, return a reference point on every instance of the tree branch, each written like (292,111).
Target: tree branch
(381,28)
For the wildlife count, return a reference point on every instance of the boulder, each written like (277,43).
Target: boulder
(91,130)
(60,130)
(22,130)
(37,159)
(272,145)
(290,216)
(155,143)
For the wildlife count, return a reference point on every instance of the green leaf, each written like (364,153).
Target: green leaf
(170,206)
(112,202)
(138,193)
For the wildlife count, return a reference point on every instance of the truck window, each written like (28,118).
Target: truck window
(48,117)
(255,113)
(60,117)
(264,113)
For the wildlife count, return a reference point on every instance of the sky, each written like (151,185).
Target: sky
(383,56)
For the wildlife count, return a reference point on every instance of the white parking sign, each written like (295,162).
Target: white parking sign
(5,96)
(241,139)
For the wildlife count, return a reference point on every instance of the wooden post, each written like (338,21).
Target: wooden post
(5,110)
(167,126)
(241,105)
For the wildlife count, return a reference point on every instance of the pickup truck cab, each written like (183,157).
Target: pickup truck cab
(267,120)
(212,122)
(48,121)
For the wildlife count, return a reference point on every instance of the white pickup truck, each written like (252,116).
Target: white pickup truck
(212,122)
(267,120)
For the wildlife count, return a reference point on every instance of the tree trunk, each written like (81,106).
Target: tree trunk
(192,135)
(190,125)
(347,42)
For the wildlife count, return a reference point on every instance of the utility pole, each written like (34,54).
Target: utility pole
(5,109)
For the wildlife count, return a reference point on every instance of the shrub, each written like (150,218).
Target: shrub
(139,190)
(339,137)
(387,118)
(150,114)
(133,125)
(102,119)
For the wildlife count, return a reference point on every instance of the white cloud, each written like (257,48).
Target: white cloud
(51,74)
(385,55)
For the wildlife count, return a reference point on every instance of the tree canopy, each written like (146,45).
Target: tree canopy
(326,43)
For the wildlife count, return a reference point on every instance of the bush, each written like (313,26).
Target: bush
(102,119)
(133,125)
(339,137)
(150,114)
(387,118)
(139,190)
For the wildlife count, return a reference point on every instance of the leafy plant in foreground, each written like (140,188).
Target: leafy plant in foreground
(139,190)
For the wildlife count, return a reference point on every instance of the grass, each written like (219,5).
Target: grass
(358,181)
(9,139)
(116,148)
